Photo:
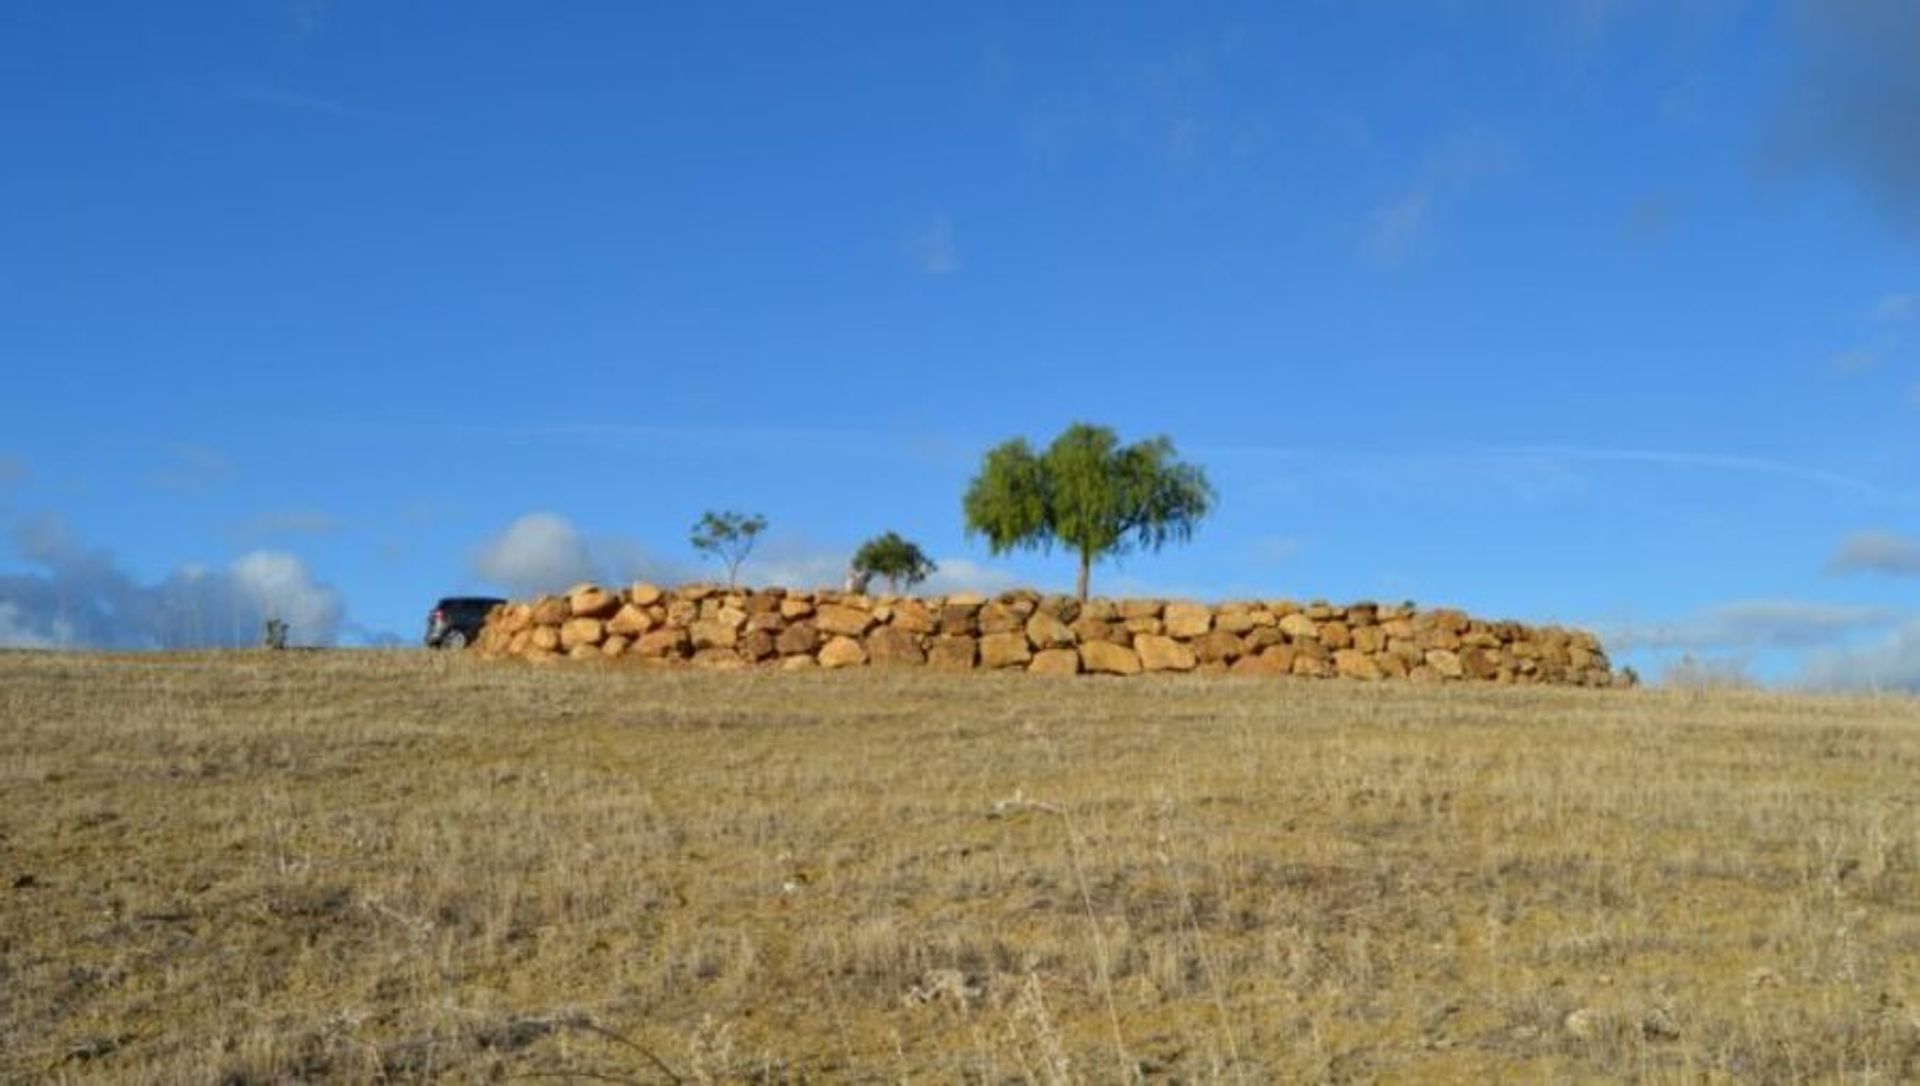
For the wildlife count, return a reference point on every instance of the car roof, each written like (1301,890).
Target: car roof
(456,601)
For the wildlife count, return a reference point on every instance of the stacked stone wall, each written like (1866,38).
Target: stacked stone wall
(1026,631)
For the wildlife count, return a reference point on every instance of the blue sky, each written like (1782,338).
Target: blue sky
(1591,311)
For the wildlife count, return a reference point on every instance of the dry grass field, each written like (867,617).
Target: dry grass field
(361,867)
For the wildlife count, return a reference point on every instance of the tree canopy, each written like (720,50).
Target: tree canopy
(899,560)
(1088,493)
(728,536)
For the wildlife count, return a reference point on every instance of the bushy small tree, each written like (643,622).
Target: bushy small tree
(1087,492)
(729,537)
(900,561)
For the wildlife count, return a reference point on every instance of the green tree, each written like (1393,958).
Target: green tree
(900,561)
(1087,493)
(728,536)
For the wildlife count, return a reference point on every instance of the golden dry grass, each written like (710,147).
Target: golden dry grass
(359,867)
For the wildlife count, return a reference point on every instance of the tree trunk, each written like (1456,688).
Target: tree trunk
(1086,571)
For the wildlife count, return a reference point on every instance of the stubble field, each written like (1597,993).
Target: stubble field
(251,868)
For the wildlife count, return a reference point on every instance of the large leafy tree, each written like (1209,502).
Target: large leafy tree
(728,536)
(1087,493)
(899,560)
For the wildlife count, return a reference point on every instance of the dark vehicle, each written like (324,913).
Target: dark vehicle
(455,622)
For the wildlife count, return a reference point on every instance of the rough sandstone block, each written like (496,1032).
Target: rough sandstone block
(842,652)
(1055,662)
(1159,653)
(1004,650)
(1107,658)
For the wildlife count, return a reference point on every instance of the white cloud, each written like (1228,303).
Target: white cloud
(933,251)
(1752,624)
(82,598)
(967,575)
(1877,552)
(540,552)
(1893,664)
(278,585)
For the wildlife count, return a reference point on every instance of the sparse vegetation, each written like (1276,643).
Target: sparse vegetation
(264,867)
(1087,493)
(729,537)
(899,561)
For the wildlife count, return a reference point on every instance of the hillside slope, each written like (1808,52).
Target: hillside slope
(337,866)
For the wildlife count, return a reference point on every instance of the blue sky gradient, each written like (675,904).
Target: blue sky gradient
(1591,311)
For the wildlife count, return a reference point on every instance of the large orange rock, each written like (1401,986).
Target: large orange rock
(895,647)
(582,631)
(757,645)
(1354,664)
(630,621)
(1298,627)
(592,601)
(713,634)
(914,617)
(671,641)
(1004,650)
(842,652)
(999,618)
(842,620)
(1277,660)
(1336,635)
(1086,628)
(548,611)
(1187,620)
(1217,647)
(800,639)
(1055,662)
(1045,631)
(1445,664)
(642,594)
(1159,653)
(1107,658)
(959,620)
(953,653)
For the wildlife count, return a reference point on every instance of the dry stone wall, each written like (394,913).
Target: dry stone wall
(1049,635)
